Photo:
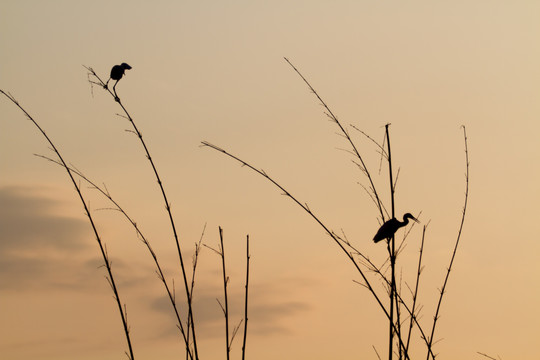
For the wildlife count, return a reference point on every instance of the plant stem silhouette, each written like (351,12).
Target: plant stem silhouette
(337,239)
(449,269)
(225,306)
(246,300)
(377,270)
(396,300)
(225,286)
(364,169)
(415,293)
(195,262)
(333,118)
(392,253)
(167,204)
(143,239)
(102,247)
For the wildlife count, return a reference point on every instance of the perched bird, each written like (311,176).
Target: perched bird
(117,72)
(389,228)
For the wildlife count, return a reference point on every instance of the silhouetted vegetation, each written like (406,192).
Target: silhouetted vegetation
(400,310)
(399,340)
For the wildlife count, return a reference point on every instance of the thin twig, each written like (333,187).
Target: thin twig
(167,204)
(415,294)
(376,269)
(248,256)
(392,254)
(376,352)
(331,115)
(334,236)
(108,264)
(234,332)
(195,262)
(381,147)
(225,283)
(141,237)
(449,269)
(485,355)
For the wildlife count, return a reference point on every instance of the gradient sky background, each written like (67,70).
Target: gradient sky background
(213,70)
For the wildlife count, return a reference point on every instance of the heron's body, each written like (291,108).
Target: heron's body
(389,228)
(117,72)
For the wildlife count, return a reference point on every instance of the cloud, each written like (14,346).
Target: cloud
(27,221)
(37,244)
(268,314)
(43,249)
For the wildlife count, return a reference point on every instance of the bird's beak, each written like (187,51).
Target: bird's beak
(416,220)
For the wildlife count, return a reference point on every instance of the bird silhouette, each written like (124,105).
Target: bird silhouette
(389,228)
(117,72)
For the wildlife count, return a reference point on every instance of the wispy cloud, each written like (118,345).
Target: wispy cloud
(268,313)
(36,243)
(28,222)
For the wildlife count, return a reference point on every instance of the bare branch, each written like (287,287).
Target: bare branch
(331,115)
(90,218)
(93,75)
(449,269)
(334,237)
(248,256)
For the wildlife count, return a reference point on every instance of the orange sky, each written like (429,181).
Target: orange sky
(215,71)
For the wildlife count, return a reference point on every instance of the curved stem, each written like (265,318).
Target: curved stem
(415,294)
(103,250)
(167,206)
(333,235)
(331,115)
(443,288)
(144,240)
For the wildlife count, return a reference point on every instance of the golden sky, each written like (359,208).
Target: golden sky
(214,70)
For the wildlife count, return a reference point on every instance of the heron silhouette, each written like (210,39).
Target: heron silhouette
(389,228)
(117,72)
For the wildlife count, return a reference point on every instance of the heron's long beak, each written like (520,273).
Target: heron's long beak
(416,220)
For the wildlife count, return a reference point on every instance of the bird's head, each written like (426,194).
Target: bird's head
(409,216)
(125,66)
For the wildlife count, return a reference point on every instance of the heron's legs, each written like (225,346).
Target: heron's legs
(114,90)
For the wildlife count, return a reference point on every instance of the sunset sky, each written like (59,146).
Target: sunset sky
(215,71)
